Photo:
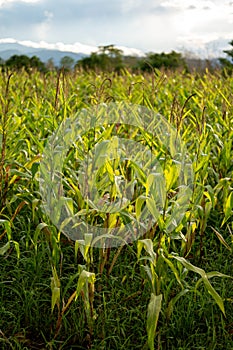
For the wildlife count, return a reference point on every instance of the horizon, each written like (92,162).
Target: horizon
(80,48)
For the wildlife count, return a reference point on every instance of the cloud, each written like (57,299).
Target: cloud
(43,28)
(152,25)
(82,10)
(18,20)
(208,45)
(7,2)
(76,47)
(192,7)
(184,5)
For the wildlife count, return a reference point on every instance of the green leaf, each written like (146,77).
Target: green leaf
(152,207)
(55,287)
(5,248)
(84,277)
(153,311)
(147,244)
(172,267)
(204,278)
(228,208)
(34,169)
(17,248)
(39,228)
(7,226)
(173,301)
(222,240)
(138,205)
(217,274)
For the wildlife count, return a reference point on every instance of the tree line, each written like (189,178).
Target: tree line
(109,58)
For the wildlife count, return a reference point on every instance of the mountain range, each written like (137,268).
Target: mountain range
(46,51)
(10,49)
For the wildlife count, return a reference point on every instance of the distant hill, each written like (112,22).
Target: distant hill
(9,49)
(45,51)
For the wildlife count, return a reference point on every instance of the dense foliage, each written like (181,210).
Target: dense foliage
(17,62)
(170,60)
(168,290)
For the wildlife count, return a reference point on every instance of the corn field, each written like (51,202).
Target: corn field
(158,167)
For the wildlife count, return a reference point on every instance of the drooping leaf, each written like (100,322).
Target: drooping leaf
(221,239)
(217,298)
(153,312)
(5,248)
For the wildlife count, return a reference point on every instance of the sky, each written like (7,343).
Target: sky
(201,26)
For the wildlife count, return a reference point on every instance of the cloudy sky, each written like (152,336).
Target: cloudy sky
(204,26)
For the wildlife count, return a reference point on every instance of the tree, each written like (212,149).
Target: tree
(91,62)
(170,60)
(230,52)
(36,63)
(227,63)
(67,63)
(50,65)
(2,64)
(107,58)
(18,62)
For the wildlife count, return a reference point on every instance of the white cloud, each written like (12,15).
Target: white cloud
(76,47)
(185,4)
(43,28)
(212,5)
(206,45)
(8,41)
(5,2)
(48,15)
(152,25)
(202,18)
(128,51)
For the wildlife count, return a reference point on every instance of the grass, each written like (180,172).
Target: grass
(55,295)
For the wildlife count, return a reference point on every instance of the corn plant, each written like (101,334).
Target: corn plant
(156,265)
